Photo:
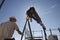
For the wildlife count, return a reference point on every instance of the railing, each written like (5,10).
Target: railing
(39,34)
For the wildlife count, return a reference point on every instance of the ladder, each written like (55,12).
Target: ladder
(27,20)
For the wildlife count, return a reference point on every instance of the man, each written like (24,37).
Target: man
(7,29)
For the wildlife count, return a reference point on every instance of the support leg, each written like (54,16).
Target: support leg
(30,30)
(24,29)
(44,29)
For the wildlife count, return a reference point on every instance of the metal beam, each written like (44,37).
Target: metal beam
(2,3)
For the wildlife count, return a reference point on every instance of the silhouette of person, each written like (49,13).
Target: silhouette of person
(7,29)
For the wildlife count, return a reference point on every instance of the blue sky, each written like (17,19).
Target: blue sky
(48,10)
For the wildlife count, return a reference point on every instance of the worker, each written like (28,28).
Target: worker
(7,29)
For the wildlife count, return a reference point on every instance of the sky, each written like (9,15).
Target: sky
(48,10)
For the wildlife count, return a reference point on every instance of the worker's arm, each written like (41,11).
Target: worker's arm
(19,31)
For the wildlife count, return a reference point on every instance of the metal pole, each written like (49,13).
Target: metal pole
(50,32)
(1,3)
(44,29)
(24,29)
(30,30)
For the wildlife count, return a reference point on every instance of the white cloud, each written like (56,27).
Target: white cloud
(53,6)
(48,10)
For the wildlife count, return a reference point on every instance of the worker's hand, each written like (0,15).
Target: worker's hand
(21,33)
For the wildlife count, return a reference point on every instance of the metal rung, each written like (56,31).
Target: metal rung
(33,37)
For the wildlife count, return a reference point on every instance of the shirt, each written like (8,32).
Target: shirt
(7,29)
